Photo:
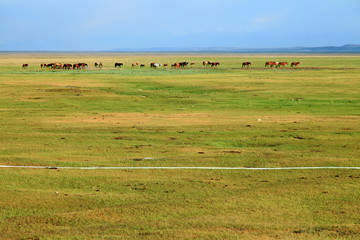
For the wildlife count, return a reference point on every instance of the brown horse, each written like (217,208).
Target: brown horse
(294,64)
(83,65)
(56,66)
(67,66)
(282,64)
(247,64)
(215,64)
(176,65)
(25,65)
(271,64)
(76,66)
(134,64)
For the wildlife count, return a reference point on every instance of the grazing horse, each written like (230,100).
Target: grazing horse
(134,64)
(282,64)
(192,63)
(183,64)
(118,65)
(67,66)
(294,64)
(98,64)
(25,65)
(215,64)
(271,64)
(205,63)
(83,65)
(156,65)
(142,65)
(43,65)
(76,66)
(165,65)
(56,66)
(247,64)
(176,65)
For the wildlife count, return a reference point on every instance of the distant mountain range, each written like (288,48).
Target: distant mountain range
(349,48)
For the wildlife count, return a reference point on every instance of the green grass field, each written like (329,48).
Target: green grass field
(197,116)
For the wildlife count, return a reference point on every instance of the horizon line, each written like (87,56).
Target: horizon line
(347,48)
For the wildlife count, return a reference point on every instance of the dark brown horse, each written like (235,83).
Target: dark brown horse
(294,64)
(246,64)
(183,64)
(25,65)
(67,66)
(215,64)
(118,65)
(83,65)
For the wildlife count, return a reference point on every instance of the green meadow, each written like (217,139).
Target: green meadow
(225,116)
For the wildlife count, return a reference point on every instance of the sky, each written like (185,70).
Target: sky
(101,25)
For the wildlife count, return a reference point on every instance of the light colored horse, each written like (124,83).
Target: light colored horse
(156,65)
(98,64)
(205,63)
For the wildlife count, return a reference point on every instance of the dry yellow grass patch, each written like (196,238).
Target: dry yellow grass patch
(130,119)
(187,119)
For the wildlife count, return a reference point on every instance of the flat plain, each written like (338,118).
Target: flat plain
(225,116)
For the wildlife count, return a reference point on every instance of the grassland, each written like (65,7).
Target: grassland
(225,116)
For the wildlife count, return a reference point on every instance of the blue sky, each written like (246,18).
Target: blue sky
(87,25)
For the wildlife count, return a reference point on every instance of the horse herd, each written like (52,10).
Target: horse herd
(153,65)
(280,64)
(62,66)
